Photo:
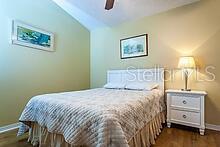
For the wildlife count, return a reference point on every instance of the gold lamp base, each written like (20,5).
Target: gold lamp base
(186,81)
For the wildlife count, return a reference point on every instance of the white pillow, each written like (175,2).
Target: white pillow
(114,85)
(141,86)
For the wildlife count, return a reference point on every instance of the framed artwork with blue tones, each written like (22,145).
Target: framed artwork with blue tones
(29,36)
(132,47)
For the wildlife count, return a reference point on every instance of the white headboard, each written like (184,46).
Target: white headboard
(152,75)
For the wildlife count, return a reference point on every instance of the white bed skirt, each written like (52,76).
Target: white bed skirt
(143,138)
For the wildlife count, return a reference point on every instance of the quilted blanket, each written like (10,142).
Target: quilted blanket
(98,117)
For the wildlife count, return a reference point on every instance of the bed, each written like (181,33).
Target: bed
(98,117)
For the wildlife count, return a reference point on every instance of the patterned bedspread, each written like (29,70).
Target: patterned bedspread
(97,117)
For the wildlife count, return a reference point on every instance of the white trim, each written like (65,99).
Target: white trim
(213,127)
(9,127)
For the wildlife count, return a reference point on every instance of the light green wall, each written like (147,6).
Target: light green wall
(189,30)
(26,72)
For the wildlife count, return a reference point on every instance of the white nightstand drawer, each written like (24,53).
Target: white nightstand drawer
(186,117)
(185,102)
(186,108)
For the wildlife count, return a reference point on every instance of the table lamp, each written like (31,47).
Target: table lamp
(186,63)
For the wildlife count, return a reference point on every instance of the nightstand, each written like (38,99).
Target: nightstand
(186,108)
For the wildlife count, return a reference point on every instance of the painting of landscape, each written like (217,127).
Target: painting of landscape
(28,36)
(34,37)
(134,47)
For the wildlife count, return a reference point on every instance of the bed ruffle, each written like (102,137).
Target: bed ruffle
(147,135)
(143,138)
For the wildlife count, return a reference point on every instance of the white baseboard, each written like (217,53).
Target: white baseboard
(213,127)
(9,127)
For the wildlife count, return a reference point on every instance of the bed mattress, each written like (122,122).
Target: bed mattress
(97,117)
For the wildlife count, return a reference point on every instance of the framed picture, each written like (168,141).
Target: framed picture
(26,35)
(136,46)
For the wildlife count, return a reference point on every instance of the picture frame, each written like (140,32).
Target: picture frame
(29,36)
(132,47)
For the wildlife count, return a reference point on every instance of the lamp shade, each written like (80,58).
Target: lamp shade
(186,62)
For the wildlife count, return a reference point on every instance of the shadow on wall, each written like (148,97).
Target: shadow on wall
(208,75)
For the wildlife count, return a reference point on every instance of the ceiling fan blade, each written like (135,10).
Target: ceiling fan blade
(109,4)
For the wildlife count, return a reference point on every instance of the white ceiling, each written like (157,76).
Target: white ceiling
(91,13)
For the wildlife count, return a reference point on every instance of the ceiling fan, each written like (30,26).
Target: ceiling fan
(109,4)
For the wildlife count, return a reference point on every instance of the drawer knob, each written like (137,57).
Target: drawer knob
(184,102)
(184,116)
